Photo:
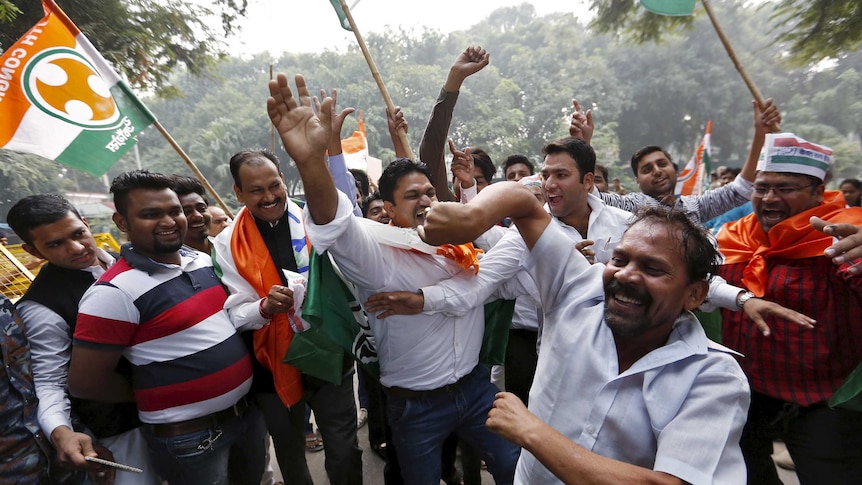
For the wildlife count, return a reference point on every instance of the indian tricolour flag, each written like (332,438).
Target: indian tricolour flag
(355,148)
(60,99)
(692,178)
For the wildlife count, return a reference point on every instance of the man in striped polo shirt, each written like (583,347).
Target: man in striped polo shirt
(161,307)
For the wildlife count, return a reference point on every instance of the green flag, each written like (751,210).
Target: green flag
(336,4)
(338,325)
(674,8)
(849,395)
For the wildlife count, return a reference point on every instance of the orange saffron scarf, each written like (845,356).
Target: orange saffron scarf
(793,238)
(255,265)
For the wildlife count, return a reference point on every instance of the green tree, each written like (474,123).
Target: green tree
(145,39)
(812,30)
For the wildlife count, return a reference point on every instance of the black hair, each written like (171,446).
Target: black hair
(366,202)
(604,170)
(701,257)
(482,160)
(361,178)
(136,179)
(250,156)
(579,150)
(646,151)
(516,159)
(393,173)
(854,182)
(185,185)
(35,210)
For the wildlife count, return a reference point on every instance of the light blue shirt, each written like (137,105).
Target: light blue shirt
(680,409)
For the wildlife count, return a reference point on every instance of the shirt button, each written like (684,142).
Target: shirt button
(591,430)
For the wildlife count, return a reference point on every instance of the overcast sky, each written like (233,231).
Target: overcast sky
(312,26)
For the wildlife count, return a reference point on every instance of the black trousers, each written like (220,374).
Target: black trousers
(825,444)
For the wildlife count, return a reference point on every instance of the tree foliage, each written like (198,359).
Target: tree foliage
(811,30)
(641,94)
(145,39)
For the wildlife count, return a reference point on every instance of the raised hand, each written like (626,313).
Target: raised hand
(849,247)
(766,119)
(462,165)
(304,134)
(396,121)
(581,126)
(469,62)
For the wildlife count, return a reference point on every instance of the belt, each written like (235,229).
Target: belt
(169,430)
(404,393)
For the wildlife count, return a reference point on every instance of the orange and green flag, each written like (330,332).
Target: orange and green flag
(59,98)
(692,180)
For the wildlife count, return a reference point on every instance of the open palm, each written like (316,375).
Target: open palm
(305,135)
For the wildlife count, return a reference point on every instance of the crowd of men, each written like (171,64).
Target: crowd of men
(170,356)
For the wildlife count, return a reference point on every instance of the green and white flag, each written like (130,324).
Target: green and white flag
(342,17)
(60,99)
(673,8)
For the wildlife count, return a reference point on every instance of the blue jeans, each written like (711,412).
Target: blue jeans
(421,424)
(230,453)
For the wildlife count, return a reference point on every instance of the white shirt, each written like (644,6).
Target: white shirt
(500,267)
(50,349)
(418,352)
(680,409)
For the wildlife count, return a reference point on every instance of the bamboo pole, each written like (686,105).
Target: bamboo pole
(374,72)
(193,167)
(739,67)
(271,126)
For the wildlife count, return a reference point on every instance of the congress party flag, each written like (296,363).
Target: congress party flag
(342,18)
(692,178)
(355,148)
(673,8)
(60,99)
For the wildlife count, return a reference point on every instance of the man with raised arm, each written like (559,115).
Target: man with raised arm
(628,388)
(428,364)
(656,176)
(433,144)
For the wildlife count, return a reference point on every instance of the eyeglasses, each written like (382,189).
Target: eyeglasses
(780,190)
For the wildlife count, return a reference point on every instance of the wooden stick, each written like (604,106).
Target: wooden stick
(193,167)
(739,67)
(371,65)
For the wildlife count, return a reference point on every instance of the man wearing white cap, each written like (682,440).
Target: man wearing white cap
(777,253)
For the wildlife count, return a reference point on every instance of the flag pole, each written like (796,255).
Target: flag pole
(192,166)
(402,133)
(739,67)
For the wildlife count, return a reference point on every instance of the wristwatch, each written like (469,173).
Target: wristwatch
(744,297)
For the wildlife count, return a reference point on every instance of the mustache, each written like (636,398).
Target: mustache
(614,287)
(277,200)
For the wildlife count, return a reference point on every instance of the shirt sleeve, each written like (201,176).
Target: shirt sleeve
(562,274)
(700,444)
(500,276)
(50,350)
(359,256)
(433,144)
(343,179)
(243,302)
(721,295)
(107,318)
(716,202)
(629,202)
